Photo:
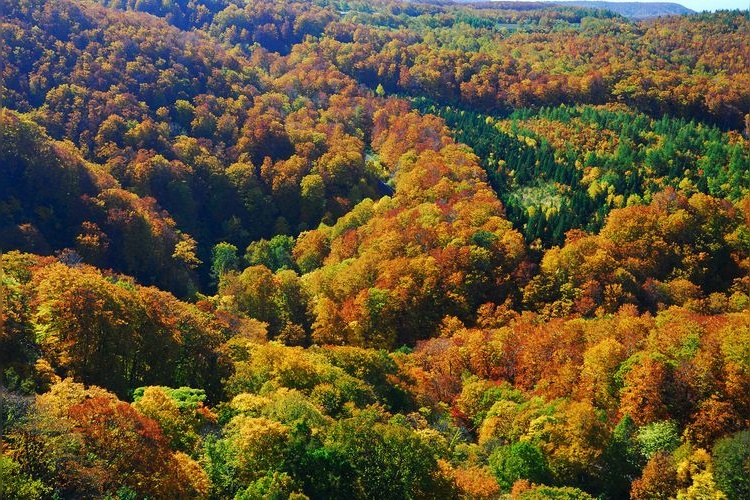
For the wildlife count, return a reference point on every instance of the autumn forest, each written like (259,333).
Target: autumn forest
(373,249)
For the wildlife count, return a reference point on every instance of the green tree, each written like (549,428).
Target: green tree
(622,459)
(274,254)
(224,259)
(313,201)
(521,460)
(731,456)
(15,484)
(390,460)
(658,436)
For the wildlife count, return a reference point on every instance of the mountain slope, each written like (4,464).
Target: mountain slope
(635,10)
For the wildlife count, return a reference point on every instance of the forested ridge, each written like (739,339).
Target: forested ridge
(373,249)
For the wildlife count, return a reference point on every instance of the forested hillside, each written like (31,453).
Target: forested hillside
(372,249)
(637,10)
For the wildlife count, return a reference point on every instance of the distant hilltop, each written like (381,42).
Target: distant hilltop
(635,10)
